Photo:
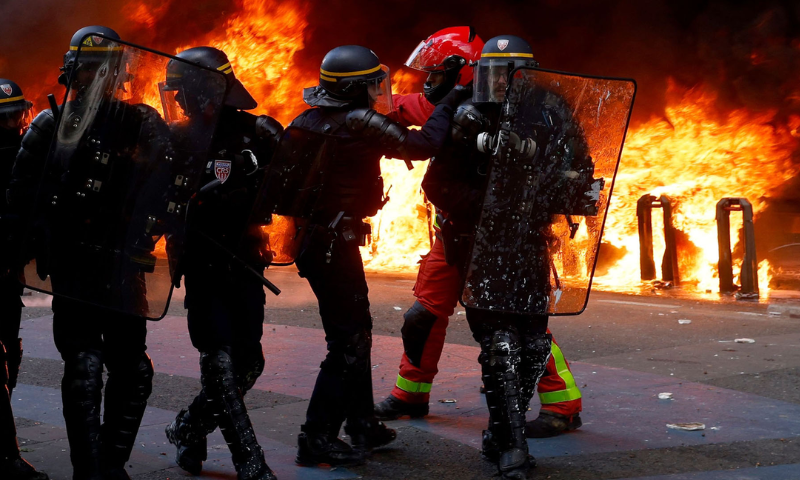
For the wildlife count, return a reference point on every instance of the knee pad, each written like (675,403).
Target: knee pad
(143,376)
(83,375)
(417,325)
(216,363)
(536,349)
(350,356)
(504,350)
(249,367)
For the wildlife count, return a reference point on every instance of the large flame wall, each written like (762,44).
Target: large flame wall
(717,113)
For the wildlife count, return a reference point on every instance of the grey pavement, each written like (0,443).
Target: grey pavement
(624,350)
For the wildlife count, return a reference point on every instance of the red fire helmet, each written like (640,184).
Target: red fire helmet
(446,50)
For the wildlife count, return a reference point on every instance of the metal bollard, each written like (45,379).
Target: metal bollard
(647,264)
(749,274)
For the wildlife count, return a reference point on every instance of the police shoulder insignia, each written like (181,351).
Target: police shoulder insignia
(6,88)
(222,170)
(502,44)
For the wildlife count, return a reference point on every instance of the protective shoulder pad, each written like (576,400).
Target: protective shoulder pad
(267,128)
(369,123)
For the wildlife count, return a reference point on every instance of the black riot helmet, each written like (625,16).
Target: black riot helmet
(192,81)
(94,49)
(352,76)
(14,109)
(499,57)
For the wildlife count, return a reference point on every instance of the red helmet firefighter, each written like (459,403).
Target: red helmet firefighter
(447,57)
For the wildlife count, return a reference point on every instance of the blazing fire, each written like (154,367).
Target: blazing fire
(694,154)
(695,157)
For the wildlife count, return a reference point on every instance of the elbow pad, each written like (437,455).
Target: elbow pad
(268,129)
(40,133)
(370,123)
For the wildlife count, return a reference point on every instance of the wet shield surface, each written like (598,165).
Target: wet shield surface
(291,190)
(539,233)
(117,180)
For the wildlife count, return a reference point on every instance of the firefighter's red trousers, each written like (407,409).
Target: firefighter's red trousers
(438,289)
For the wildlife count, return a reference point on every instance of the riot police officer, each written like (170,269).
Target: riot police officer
(514,348)
(14,118)
(89,337)
(353,88)
(225,301)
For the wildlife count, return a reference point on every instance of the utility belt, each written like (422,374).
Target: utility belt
(455,241)
(342,229)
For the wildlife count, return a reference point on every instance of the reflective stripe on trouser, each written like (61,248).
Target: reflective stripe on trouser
(557,389)
(437,289)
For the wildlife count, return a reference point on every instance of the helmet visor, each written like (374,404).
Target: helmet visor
(172,102)
(380,92)
(426,58)
(491,78)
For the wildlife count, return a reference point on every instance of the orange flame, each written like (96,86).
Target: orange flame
(695,159)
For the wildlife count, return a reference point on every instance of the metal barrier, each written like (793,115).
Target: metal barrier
(669,264)
(749,274)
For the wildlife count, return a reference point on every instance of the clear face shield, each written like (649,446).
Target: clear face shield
(380,92)
(194,94)
(491,78)
(173,102)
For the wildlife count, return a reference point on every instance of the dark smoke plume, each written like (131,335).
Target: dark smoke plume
(747,51)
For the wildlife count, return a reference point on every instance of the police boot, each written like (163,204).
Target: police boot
(190,442)
(550,424)
(369,434)
(81,394)
(129,386)
(317,446)
(220,384)
(500,368)
(393,408)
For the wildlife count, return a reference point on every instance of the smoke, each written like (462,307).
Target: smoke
(747,51)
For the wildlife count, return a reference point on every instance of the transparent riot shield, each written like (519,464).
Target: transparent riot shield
(554,160)
(291,189)
(118,179)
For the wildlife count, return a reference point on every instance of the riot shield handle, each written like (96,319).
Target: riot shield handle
(573,226)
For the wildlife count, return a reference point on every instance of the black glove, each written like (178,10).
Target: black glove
(454,97)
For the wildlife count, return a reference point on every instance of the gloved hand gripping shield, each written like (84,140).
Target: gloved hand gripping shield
(117,181)
(554,160)
(291,190)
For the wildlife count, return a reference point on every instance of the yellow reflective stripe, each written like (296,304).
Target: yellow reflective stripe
(571,392)
(227,71)
(506,55)
(223,67)
(413,387)
(347,74)
(330,79)
(436,222)
(97,49)
(12,99)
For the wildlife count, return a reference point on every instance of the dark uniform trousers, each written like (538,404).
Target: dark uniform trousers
(344,385)
(229,316)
